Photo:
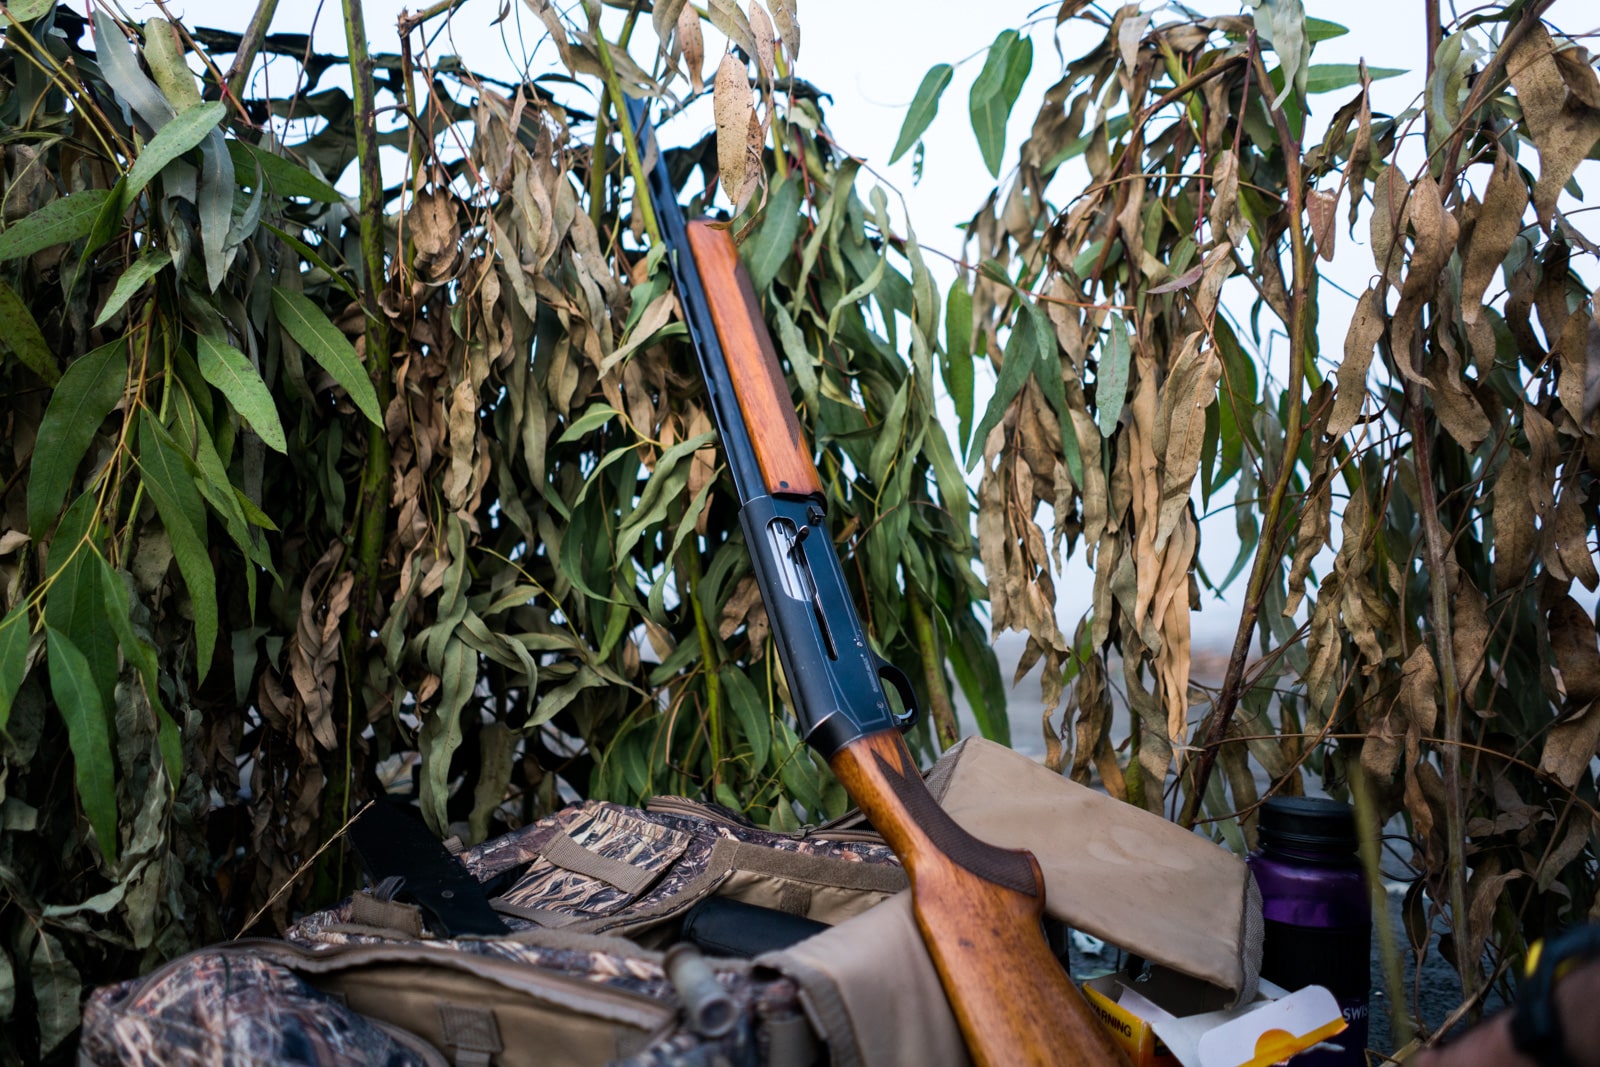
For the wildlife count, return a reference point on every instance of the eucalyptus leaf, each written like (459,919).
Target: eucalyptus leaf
(1111,383)
(215,204)
(170,481)
(323,342)
(1328,77)
(924,106)
(147,266)
(995,92)
(22,336)
(230,371)
(121,68)
(772,245)
(183,133)
(84,711)
(89,390)
(26,11)
(15,634)
(64,219)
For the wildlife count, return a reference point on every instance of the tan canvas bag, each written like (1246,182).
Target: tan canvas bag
(1118,872)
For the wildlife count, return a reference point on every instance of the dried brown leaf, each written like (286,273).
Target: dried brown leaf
(1215,269)
(1434,239)
(1497,225)
(1563,126)
(1514,533)
(1458,409)
(788,28)
(1576,651)
(691,43)
(734,108)
(1570,746)
(1355,171)
(1570,535)
(1180,428)
(1225,217)
(761,29)
(314,650)
(1484,889)
(1469,634)
(1366,328)
(1310,537)
(1320,209)
(1388,206)
(746,595)
(726,16)
(1419,689)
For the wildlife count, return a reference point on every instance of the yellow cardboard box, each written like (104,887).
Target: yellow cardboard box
(1172,1020)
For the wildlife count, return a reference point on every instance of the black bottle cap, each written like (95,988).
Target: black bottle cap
(1308,824)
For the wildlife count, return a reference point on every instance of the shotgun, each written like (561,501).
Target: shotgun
(978,907)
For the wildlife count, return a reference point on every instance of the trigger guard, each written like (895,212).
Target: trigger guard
(901,682)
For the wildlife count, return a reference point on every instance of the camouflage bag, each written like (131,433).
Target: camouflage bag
(593,892)
(589,894)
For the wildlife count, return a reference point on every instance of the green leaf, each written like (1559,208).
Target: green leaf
(26,10)
(88,391)
(1319,30)
(977,671)
(995,92)
(78,698)
(58,222)
(284,177)
(76,604)
(924,106)
(122,72)
(230,371)
(773,244)
(1281,24)
(958,371)
(174,139)
(143,658)
(14,635)
(21,334)
(1021,359)
(323,342)
(1328,77)
(171,485)
(141,270)
(596,416)
(310,255)
(1111,380)
(214,205)
(755,721)
(1052,386)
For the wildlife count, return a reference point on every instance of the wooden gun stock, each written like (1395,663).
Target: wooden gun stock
(780,447)
(979,909)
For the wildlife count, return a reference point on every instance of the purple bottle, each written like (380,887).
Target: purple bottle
(1318,913)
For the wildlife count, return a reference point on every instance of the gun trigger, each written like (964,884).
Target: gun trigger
(897,678)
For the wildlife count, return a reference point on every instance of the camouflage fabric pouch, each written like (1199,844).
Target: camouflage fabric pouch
(365,982)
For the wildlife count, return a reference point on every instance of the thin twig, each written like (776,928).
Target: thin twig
(249,47)
(1267,551)
(295,877)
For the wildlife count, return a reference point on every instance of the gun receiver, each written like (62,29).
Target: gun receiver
(978,907)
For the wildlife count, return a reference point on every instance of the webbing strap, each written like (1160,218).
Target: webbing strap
(566,853)
(369,910)
(472,1032)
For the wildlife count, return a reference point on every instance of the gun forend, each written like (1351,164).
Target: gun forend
(757,377)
